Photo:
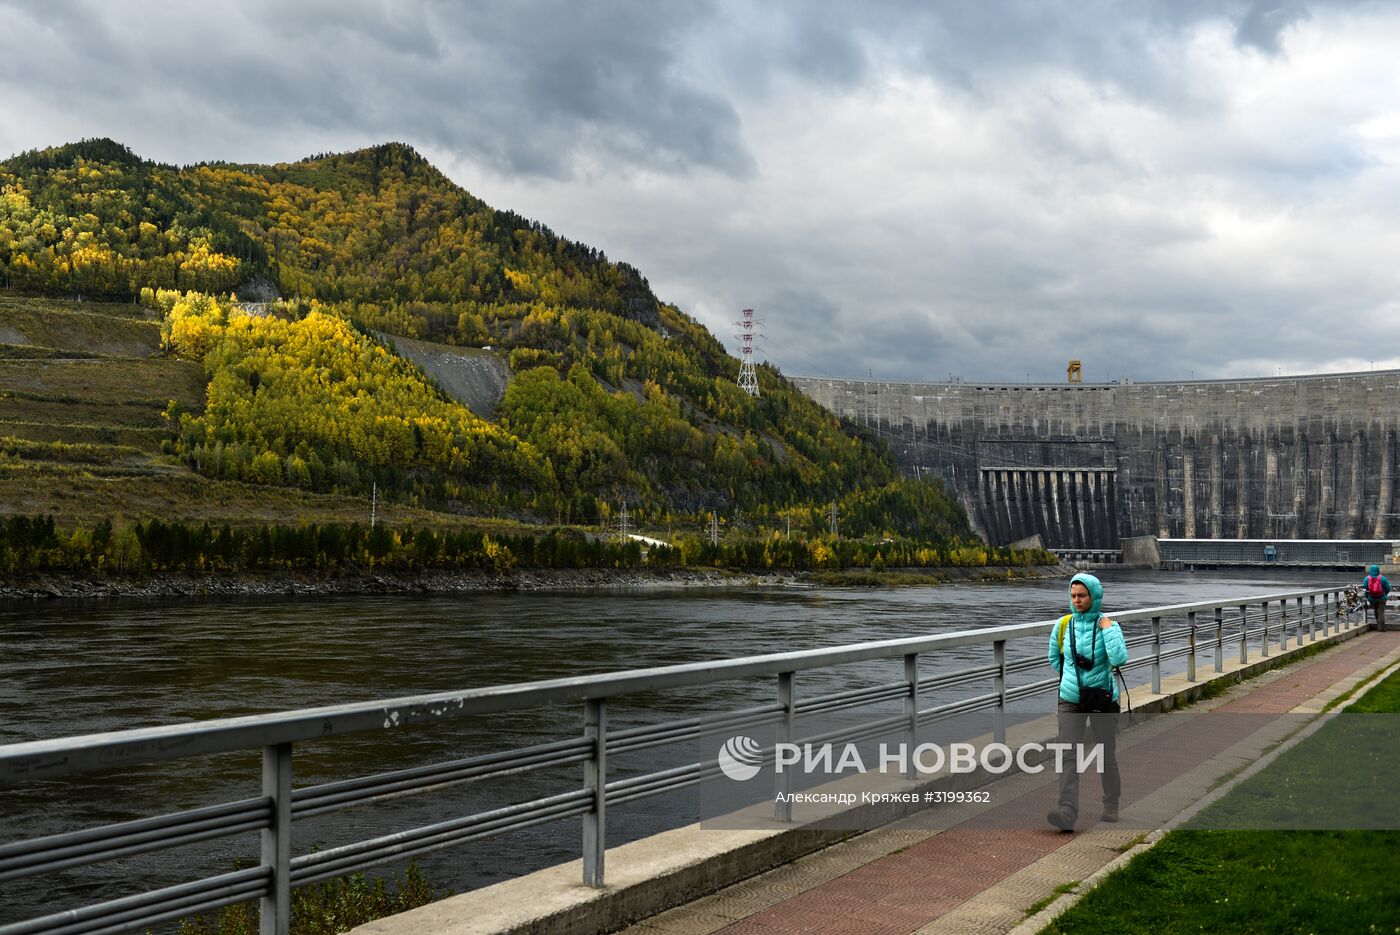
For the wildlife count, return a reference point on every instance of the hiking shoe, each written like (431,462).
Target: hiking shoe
(1110,813)
(1060,820)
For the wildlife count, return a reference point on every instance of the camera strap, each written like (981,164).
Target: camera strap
(1074,651)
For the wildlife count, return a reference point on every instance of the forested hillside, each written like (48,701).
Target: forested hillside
(615,396)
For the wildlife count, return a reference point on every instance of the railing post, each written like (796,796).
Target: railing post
(595,780)
(1244,633)
(1156,655)
(787,698)
(1191,642)
(1312,619)
(1264,643)
(911,711)
(1298,624)
(1220,639)
(275,909)
(999,686)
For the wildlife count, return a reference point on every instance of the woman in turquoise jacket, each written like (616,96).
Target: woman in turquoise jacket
(1085,650)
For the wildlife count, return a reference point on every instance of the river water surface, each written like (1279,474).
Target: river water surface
(69,668)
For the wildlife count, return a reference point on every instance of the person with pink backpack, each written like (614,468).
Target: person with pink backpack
(1377,590)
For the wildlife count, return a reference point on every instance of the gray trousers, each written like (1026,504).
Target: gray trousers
(1378,611)
(1073,726)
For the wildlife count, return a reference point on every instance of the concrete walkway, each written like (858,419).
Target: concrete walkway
(994,871)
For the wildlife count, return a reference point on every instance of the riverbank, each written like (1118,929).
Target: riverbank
(383,581)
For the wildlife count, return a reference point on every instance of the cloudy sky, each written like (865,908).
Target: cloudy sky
(904,190)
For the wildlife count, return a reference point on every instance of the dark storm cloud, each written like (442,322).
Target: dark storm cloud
(1263,25)
(542,87)
(526,87)
(550,88)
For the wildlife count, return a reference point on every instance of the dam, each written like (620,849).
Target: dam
(1085,465)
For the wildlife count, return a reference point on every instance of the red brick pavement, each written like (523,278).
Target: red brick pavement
(905,891)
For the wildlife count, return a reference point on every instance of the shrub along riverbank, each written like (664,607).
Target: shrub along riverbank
(355,557)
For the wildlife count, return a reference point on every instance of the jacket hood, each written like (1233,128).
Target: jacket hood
(1374,571)
(1095,592)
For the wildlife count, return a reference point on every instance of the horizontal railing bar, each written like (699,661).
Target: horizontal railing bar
(142,920)
(1025,663)
(693,732)
(407,848)
(97,852)
(144,923)
(854,699)
(645,729)
(960,677)
(354,865)
(429,837)
(104,832)
(633,796)
(662,780)
(1032,688)
(454,824)
(62,756)
(315,800)
(963,706)
(838,734)
(127,909)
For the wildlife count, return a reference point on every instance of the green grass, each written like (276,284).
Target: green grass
(78,453)
(1382,699)
(147,440)
(153,381)
(1248,881)
(87,327)
(1055,894)
(38,352)
(78,495)
(1198,880)
(17,408)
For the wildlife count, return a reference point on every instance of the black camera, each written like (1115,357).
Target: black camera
(1083,662)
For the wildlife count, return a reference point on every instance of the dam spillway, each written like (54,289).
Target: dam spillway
(1086,465)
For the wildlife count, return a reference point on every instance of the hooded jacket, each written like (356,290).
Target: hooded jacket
(1375,572)
(1109,648)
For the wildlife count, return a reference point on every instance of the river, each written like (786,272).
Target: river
(75,667)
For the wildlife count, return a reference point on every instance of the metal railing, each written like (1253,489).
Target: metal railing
(1188,631)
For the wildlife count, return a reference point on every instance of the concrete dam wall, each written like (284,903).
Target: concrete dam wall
(1085,465)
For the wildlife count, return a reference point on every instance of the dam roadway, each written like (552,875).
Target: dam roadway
(1086,465)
